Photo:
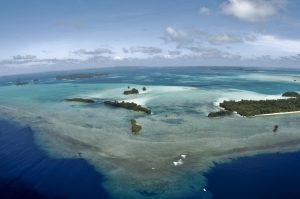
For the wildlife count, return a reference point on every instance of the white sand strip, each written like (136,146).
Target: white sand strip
(281,113)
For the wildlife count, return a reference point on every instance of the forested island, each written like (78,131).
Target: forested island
(128,105)
(258,107)
(132,91)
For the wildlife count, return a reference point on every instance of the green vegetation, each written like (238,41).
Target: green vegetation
(128,105)
(79,76)
(78,99)
(130,92)
(219,113)
(252,107)
(291,94)
(135,128)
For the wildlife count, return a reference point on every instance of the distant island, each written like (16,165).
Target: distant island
(21,83)
(132,91)
(82,100)
(259,107)
(79,76)
(128,105)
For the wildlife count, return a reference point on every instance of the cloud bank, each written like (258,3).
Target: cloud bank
(253,10)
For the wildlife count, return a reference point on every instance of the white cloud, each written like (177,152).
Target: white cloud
(125,50)
(205,11)
(181,37)
(145,49)
(253,10)
(97,51)
(184,38)
(174,52)
(273,43)
(223,38)
(24,57)
(31,60)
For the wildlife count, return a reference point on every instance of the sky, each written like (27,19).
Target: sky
(46,35)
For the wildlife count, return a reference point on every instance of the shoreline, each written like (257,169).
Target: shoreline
(261,115)
(280,113)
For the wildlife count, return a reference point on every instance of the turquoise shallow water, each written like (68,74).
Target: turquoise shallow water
(180,99)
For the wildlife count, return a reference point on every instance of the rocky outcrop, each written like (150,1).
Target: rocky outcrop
(275,129)
(82,100)
(135,128)
(219,113)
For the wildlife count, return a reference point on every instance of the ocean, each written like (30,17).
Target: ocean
(26,171)
(50,148)
(273,176)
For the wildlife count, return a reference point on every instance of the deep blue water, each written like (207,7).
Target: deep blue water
(28,172)
(271,176)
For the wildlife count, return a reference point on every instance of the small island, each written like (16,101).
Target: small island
(82,100)
(128,105)
(132,91)
(290,94)
(135,128)
(79,76)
